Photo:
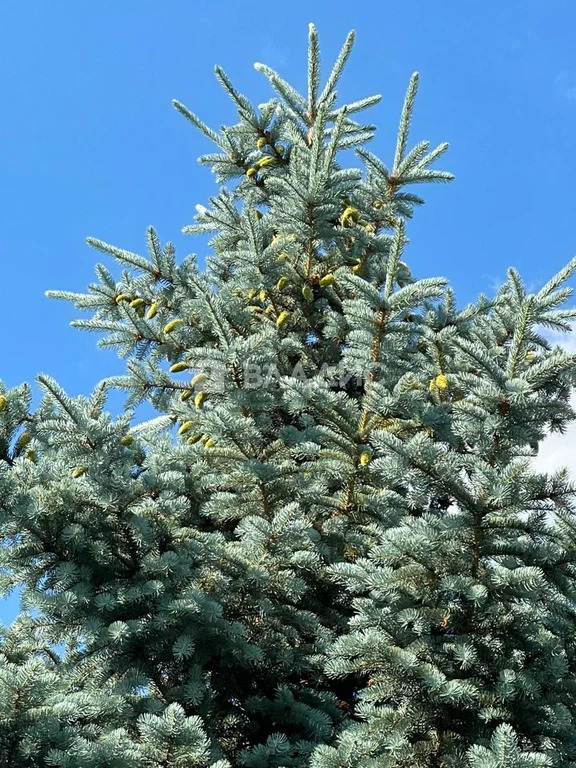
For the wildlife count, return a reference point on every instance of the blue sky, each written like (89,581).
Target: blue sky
(90,145)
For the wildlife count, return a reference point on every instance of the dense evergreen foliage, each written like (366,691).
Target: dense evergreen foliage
(329,548)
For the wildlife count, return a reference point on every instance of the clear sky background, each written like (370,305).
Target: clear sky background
(91,146)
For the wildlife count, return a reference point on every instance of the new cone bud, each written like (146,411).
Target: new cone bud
(440,382)
(153,311)
(178,367)
(281,284)
(78,472)
(3,403)
(350,216)
(308,293)
(199,399)
(365,458)
(327,280)
(283,318)
(186,427)
(265,161)
(198,379)
(169,327)
(23,440)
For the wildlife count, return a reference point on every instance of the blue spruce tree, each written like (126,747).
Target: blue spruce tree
(329,547)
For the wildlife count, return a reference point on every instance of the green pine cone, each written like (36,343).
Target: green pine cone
(282,283)
(308,293)
(169,327)
(350,216)
(265,161)
(186,427)
(282,319)
(198,379)
(153,311)
(365,458)
(178,367)
(23,440)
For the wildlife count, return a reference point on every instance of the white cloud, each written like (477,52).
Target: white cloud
(557,450)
